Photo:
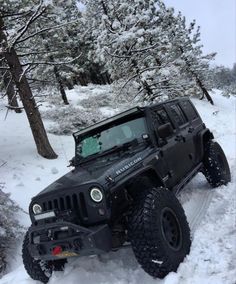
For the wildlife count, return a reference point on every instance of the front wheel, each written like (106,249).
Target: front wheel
(159,232)
(216,167)
(39,269)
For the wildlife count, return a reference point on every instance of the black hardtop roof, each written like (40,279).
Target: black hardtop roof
(127,113)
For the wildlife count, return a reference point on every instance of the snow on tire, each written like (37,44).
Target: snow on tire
(159,232)
(216,168)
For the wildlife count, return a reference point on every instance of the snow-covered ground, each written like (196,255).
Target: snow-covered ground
(211,212)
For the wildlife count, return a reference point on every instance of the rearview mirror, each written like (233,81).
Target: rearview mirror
(165,130)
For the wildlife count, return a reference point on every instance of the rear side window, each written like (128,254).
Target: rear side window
(177,115)
(189,110)
(160,116)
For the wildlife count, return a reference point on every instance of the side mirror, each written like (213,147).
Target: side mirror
(72,162)
(165,130)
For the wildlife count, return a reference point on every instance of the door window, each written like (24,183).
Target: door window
(177,115)
(189,110)
(160,116)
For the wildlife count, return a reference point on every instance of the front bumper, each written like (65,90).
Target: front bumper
(74,240)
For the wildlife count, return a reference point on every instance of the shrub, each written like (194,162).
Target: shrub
(10,229)
(68,119)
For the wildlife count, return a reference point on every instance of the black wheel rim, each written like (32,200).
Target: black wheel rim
(171,229)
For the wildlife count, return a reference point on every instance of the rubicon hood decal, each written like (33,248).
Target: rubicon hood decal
(127,166)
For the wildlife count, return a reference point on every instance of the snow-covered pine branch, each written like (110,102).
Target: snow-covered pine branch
(38,12)
(45,30)
(51,63)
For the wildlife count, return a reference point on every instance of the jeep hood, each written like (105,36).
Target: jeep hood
(96,173)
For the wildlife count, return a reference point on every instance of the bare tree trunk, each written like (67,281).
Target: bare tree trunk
(60,83)
(108,78)
(11,94)
(40,136)
(83,81)
(201,86)
(204,90)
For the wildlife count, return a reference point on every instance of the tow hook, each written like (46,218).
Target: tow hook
(57,250)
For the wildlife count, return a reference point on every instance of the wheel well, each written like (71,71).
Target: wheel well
(148,178)
(207,136)
(152,176)
(202,140)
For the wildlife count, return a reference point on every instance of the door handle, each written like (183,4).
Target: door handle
(190,130)
(179,138)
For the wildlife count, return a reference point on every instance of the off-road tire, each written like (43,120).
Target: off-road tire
(147,233)
(34,267)
(216,167)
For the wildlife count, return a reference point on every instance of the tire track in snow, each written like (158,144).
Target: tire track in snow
(196,208)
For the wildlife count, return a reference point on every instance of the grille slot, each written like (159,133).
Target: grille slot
(62,205)
(44,206)
(68,202)
(49,205)
(83,207)
(74,202)
(55,203)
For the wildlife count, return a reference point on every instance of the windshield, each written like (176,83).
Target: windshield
(106,139)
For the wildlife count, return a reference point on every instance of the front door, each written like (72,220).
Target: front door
(176,150)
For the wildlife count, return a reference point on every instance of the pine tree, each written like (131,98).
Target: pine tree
(224,79)
(12,16)
(195,65)
(146,44)
(57,44)
(10,229)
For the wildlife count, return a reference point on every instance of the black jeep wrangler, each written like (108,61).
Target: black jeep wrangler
(122,190)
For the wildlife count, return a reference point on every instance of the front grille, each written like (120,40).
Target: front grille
(74,202)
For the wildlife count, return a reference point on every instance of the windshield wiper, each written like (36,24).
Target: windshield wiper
(122,147)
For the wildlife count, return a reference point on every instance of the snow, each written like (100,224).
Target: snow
(211,212)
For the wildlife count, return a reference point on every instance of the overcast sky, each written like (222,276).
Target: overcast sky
(217,19)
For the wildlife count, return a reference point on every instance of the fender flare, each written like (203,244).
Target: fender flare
(202,138)
(150,173)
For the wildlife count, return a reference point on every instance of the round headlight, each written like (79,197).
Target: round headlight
(96,194)
(37,209)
